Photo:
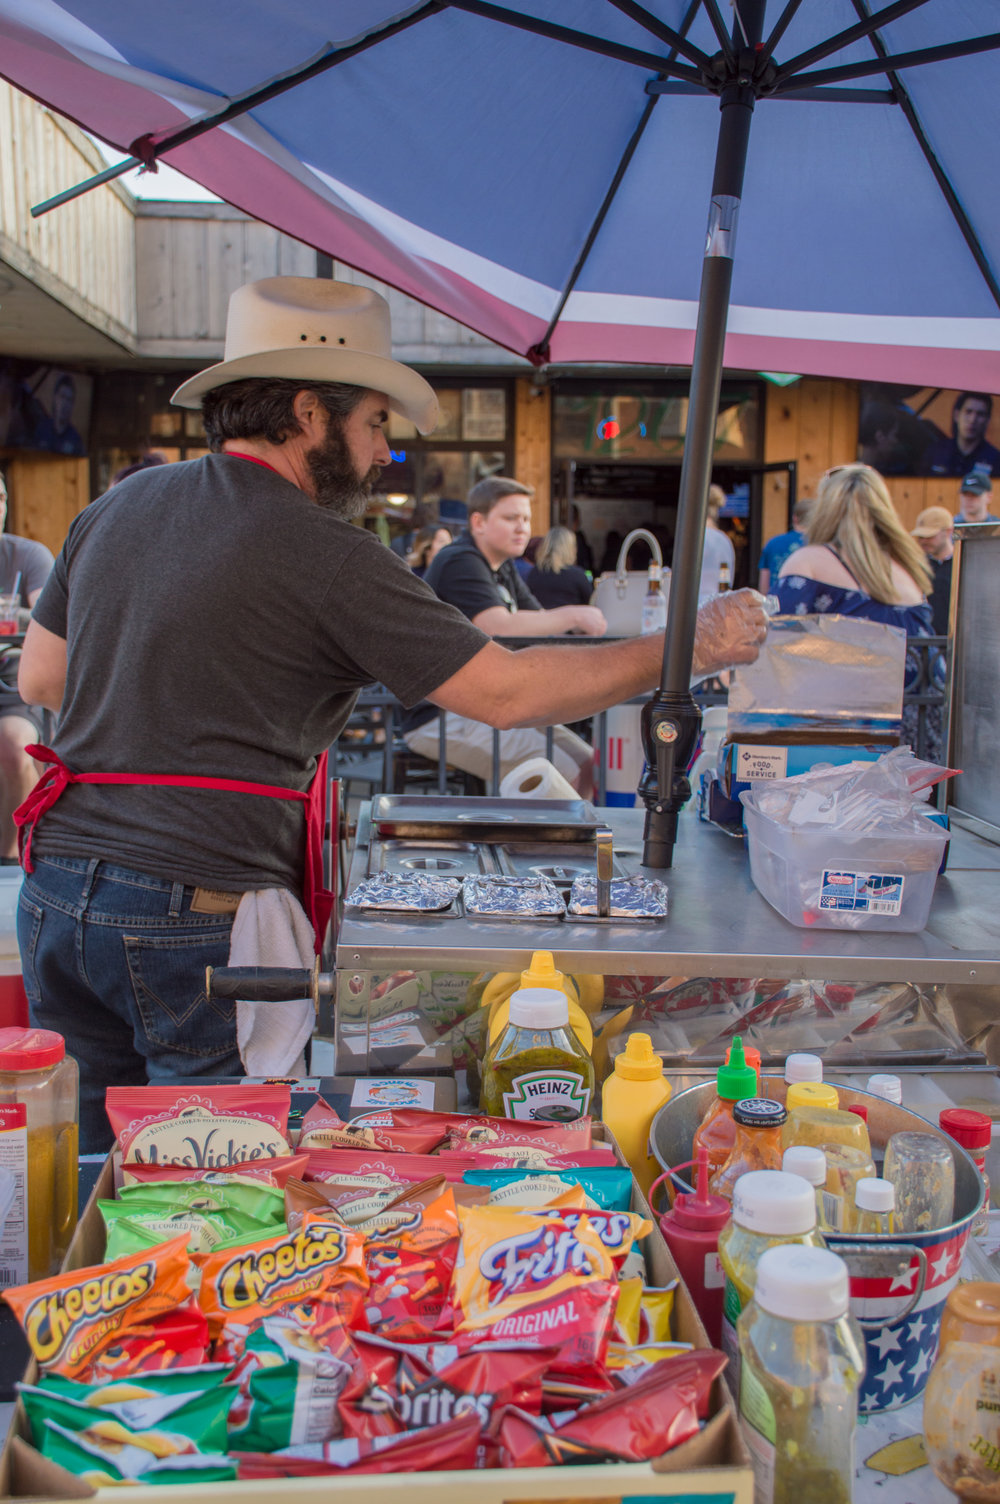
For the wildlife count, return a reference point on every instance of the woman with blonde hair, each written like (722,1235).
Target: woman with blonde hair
(555,578)
(858,559)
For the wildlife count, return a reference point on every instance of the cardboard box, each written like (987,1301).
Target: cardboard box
(742,764)
(713,1465)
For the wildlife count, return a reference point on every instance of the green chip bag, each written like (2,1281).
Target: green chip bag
(262,1205)
(198,1418)
(288,1394)
(109,1453)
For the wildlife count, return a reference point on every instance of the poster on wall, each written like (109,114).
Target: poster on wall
(905,430)
(44,407)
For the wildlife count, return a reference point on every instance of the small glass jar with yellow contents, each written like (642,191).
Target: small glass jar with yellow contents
(39,1091)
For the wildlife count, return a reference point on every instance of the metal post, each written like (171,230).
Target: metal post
(671,720)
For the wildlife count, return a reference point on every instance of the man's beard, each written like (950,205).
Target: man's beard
(338,486)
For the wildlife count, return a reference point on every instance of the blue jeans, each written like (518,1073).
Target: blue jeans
(114,960)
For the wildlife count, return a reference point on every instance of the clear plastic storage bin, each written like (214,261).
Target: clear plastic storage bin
(842,880)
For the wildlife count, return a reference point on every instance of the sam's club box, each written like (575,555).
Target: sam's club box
(742,764)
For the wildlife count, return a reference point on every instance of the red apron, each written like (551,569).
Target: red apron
(316,900)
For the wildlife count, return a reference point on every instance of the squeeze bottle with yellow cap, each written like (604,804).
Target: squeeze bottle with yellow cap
(543,973)
(811,1094)
(632,1096)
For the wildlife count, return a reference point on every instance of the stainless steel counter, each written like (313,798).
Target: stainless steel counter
(718,926)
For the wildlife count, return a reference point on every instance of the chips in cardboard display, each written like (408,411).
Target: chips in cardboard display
(205,1128)
(410,1268)
(396,1130)
(378,1168)
(250,1172)
(71,1319)
(449,1447)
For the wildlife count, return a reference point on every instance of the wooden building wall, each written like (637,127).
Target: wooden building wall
(816,423)
(46,492)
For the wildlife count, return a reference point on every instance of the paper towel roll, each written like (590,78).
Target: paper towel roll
(536,779)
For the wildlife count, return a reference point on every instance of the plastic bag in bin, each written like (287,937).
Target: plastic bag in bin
(864,797)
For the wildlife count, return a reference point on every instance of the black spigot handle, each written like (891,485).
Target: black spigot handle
(259,984)
(671,725)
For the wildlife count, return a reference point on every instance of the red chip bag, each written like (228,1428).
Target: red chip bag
(449,1447)
(630,1425)
(472,1133)
(200,1127)
(397,1130)
(177,1339)
(72,1318)
(410,1269)
(397,1387)
(534,1157)
(276,1172)
(377,1168)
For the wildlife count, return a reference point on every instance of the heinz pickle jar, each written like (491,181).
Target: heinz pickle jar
(38,1142)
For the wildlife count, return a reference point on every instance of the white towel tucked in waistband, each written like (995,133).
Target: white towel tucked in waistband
(271,929)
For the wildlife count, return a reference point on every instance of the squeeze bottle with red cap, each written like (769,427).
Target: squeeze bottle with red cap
(631,1097)
(734,1082)
(691,1231)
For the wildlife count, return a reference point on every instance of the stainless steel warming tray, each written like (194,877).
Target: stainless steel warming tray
(415,816)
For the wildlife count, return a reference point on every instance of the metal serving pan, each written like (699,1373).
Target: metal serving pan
(483,819)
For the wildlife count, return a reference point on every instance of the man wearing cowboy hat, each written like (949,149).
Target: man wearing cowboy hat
(203,637)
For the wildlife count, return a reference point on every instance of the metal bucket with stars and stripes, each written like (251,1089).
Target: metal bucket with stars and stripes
(899,1282)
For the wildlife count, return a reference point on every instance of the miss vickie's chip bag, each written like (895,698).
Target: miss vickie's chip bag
(203,1128)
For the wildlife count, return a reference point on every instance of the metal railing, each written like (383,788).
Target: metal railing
(371,757)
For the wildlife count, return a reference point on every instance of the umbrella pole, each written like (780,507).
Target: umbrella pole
(671,720)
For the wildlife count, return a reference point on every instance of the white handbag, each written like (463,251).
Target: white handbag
(620,595)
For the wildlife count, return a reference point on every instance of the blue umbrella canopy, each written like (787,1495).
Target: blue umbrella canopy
(540,170)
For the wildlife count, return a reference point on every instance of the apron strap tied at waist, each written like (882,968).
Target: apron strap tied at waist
(57,777)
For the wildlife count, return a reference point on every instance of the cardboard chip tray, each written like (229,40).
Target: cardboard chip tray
(713,1465)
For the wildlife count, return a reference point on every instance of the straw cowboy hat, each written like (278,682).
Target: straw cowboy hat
(312,329)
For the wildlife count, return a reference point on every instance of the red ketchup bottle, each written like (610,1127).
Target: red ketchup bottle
(691,1231)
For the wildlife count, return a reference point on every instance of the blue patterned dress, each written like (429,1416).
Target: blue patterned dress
(799,596)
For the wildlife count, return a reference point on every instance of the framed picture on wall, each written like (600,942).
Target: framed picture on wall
(905,430)
(44,407)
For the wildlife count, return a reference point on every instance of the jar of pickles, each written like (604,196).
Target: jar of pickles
(38,1144)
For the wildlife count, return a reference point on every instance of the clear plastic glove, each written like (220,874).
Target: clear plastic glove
(730,630)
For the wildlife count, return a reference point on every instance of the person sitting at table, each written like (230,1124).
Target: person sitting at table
(24,568)
(859,560)
(555,578)
(426,545)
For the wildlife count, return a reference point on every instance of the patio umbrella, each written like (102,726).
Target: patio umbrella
(542,171)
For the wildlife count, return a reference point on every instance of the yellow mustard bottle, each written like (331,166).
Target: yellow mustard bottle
(632,1096)
(812,1094)
(38,1143)
(542,973)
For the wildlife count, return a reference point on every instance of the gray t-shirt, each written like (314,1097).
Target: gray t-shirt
(220,623)
(27,558)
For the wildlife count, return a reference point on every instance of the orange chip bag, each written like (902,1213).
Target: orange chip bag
(200,1127)
(70,1319)
(512,1260)
(322,1261)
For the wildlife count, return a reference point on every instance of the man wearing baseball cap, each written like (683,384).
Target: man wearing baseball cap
(933,532)
(974,497)
(203,637)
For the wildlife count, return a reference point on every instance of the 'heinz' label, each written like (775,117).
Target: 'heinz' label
(552,1096)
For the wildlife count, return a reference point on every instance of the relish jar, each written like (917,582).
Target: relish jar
(38,1143)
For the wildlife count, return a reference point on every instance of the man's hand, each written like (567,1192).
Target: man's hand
(588,620)
(731,628)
